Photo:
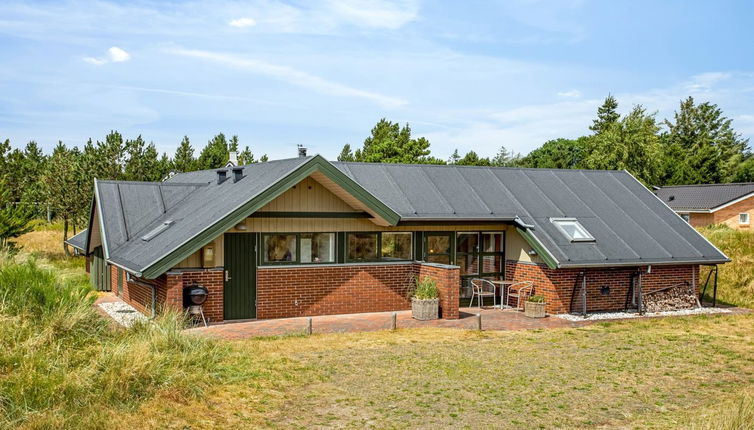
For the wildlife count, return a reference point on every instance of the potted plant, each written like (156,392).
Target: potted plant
(534,307)
(425,303)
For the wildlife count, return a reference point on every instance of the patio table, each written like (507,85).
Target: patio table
(503,289)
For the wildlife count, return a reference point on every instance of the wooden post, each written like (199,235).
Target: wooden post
(309,325)
(394,321)
(479,322)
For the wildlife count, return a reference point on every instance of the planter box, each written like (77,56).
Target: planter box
(534,310)
(425,309)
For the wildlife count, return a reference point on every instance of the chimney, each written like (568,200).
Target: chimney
(222,175)
(301,151)
(237,174)
(233,158)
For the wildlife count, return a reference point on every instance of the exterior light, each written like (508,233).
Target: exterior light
(208,256)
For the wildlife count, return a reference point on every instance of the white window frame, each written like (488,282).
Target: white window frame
(748,218)
(558,221)
(686,217)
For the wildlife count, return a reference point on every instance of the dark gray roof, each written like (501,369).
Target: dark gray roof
(192,202)
(78,241)
(703,197)
(631,225)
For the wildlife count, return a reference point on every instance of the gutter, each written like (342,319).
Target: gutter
(608,264)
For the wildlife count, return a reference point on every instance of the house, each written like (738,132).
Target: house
(706,204)
(306,236)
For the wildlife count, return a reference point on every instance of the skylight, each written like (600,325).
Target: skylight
(157,230)
(572,229)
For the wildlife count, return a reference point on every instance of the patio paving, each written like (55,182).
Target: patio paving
(492,319)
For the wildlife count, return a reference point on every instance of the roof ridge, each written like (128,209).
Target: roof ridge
(709,185)
(477,167)
(159,184)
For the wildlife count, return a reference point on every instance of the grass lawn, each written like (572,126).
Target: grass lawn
(692,372)
(659,373)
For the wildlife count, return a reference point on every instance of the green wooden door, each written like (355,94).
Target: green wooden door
(99,276)
(240,296)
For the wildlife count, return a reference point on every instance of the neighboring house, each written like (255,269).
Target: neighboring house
(706,204)
(306,236)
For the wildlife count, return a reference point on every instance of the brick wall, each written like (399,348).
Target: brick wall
(448,279)
(562,287)
(727,215)
(342,289)
(169,291)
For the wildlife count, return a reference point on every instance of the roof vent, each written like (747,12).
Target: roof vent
(301,151)
(671,198)
(157,230)
(222,175)
(237,174)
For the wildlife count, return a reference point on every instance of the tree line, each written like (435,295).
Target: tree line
(31,182)
(697,145)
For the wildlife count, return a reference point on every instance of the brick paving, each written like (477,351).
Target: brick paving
(492,319)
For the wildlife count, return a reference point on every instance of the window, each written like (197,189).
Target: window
(743,218)
(396,246)
(685,217)
(572,229)
(437,249)
(317,247)
(279,248)
(362,246)
(298,248)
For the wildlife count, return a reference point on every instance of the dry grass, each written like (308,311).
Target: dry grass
(646,374)
(736,279)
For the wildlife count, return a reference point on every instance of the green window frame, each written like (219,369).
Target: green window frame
(296,256)
(430,253)
(379,255)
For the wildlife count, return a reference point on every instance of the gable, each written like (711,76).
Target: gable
(309,195)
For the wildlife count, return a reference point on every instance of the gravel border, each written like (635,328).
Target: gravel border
(624,315)
(123,313)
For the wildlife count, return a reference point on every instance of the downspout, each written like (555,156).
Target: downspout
(641,292)
(583,293)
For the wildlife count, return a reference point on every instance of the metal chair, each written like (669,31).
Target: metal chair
(519,290)
(481,288)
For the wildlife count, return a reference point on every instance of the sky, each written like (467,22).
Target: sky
(468,75)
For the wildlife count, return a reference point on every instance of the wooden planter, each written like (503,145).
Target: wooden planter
(427,309)
(534,309)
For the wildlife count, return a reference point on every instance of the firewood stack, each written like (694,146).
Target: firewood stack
(671,299)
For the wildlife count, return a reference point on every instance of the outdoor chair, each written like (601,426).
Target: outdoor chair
(521,291)
(481,288)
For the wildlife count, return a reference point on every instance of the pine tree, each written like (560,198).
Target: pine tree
(607,114)
(62,182)
(557,154)
(391,143)
(246,157)
(454,157)
(215,154)
(184,160)
(505,158)
(346,154)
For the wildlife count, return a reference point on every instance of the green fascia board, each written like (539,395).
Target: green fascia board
(317,163)
(551,262)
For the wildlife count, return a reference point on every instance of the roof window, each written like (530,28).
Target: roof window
(157,230)
(572,229)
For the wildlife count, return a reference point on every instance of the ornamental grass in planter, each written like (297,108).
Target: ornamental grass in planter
(425,303)
(534,307)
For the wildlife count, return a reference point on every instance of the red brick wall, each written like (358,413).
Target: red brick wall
(448,281)
(562,287)
(212,279)
(326,290)
(137,295)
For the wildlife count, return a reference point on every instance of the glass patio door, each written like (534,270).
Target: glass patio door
(479,255)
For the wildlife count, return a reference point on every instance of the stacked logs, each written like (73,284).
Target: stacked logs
(671,299)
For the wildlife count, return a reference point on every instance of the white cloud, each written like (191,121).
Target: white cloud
(375,13)
(114,55)
(117,55)
(571,94)
(291,75)
(242,22)
(95,61)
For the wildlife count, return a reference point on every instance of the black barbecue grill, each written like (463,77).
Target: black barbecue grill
(194,297)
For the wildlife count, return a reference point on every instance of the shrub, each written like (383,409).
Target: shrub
(426,288)
(536,299)
(64,366)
